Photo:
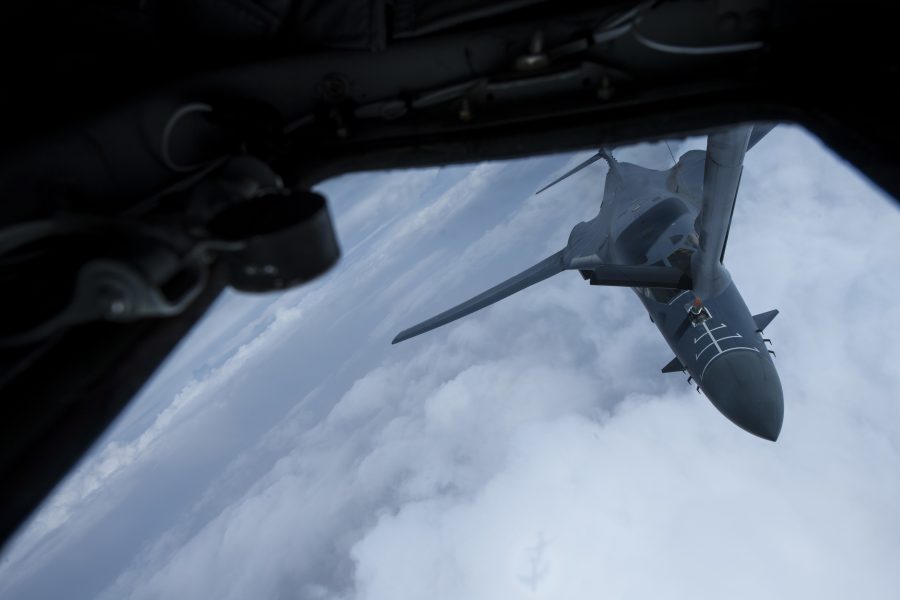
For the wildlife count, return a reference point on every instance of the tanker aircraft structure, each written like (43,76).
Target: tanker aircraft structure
(663,233)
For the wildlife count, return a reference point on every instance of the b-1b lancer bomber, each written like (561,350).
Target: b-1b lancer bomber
(663,233)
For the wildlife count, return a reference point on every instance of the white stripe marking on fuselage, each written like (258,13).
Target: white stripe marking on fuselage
(672,301)
(703,372)
(708,332)
(711,336)
(705,348)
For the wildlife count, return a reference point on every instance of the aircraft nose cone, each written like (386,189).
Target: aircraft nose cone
(745,387)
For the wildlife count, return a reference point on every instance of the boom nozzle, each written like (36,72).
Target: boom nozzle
(697,312)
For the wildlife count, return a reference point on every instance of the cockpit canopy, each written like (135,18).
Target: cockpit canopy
(637,238)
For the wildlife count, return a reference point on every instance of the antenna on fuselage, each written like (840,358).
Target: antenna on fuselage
(603,153)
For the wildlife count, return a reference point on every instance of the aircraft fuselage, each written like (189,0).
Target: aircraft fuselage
(661,232)
(726,356)
(651,222)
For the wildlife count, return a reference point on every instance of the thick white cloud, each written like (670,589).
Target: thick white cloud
(531,450)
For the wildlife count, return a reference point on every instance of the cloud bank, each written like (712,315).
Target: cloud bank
(532,450)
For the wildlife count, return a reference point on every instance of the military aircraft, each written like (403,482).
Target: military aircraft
(663,233)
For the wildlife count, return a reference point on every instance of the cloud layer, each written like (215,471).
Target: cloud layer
(532,450)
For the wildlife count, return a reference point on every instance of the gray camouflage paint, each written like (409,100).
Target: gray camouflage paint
(660,223)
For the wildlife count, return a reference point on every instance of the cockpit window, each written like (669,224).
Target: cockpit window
(641,234)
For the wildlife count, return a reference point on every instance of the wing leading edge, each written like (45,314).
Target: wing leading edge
(603,153)
(621,275)
(548,267)
(601,274)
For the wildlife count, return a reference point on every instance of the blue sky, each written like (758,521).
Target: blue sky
(532,450)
